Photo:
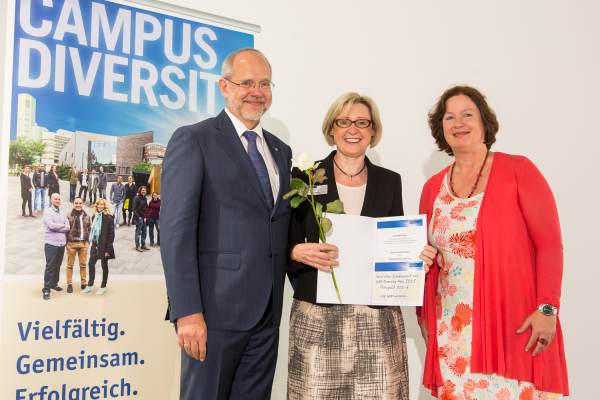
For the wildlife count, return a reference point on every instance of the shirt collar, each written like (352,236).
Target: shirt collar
(240,128)
(55,209)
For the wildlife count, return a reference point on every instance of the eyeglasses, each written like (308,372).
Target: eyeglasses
(360,123)
(250,85)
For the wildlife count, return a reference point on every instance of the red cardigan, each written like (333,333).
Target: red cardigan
(518,266)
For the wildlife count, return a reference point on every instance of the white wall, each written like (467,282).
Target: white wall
(537,61)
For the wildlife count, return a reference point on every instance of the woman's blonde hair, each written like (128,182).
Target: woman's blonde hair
(106,209)
(350,99)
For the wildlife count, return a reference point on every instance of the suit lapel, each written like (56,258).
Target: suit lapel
(332,192)
(229,139)
(371,189)
(282,166)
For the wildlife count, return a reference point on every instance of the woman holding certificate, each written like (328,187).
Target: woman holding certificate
(491,301)
(345,351)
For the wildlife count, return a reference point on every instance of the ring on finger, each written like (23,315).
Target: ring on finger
(543,341)
(185,345)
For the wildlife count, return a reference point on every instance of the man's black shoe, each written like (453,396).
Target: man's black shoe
(32,216)
(70,289)
(57,288)
(46,295)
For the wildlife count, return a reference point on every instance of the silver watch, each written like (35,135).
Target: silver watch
(548,309)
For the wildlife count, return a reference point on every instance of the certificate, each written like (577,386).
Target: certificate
(379,261)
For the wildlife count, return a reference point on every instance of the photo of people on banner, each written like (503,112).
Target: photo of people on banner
(97,89)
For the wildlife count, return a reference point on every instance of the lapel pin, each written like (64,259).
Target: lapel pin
(276,149)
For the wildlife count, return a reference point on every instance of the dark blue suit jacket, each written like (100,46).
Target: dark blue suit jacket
(223,249)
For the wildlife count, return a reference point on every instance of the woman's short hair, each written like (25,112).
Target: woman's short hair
(140,189)
(105,210)
(350,99)
(85,170)
(488,117)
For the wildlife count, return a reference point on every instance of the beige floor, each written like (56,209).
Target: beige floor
(25,241)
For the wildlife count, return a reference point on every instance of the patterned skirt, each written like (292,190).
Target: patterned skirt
(346,352)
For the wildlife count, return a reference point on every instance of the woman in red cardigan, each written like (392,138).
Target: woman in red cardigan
(490,313)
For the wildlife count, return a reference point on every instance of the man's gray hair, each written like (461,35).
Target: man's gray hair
(227,67)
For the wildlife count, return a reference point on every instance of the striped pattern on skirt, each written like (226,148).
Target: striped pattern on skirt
(346,352)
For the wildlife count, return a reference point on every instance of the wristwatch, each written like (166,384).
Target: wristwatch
(548,309)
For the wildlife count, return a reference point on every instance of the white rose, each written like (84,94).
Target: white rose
(303,161)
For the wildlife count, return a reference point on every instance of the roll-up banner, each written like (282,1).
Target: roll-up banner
(94,88)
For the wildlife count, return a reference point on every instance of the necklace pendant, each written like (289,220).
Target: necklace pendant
(350,177)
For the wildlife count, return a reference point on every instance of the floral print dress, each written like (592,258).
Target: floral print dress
(453,231)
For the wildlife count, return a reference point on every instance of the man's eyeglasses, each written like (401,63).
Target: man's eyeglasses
(360,123)
(250,85)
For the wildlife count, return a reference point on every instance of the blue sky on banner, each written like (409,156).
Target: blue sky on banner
(112,69)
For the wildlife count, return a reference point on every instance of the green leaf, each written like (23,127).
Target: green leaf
(297,183)
(319,176)
(326,224)
(335,207)
(296,201)
(319,209)
(303,191)
(290,194)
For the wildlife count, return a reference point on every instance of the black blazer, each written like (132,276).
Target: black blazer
(383,198)
(25,186)
(107,237)
(223,248)
(53,185)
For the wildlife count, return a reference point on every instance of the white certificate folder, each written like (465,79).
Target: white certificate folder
(379,261)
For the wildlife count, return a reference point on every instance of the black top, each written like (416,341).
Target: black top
(25,186)
(383,198)
(130,191)
(53,184)
(140,205)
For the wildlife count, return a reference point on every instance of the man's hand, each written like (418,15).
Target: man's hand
(191,335)
(314,254)
(106,255)
(542,327)
(112,202)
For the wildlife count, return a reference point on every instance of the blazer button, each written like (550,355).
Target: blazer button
(272,219)
(270,255)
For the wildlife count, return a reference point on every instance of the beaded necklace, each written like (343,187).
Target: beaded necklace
(476,181)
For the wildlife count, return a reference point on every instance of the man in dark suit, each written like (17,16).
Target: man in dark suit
(225,227)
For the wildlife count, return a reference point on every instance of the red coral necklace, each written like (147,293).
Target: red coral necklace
(476,181)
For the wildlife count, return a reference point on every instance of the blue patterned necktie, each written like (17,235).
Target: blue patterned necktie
(259,166)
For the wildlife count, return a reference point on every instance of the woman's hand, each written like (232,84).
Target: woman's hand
(106,255)
(314,254)
(428,255)
(425,332)
(542,327)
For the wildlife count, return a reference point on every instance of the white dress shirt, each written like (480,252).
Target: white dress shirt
(263,149)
